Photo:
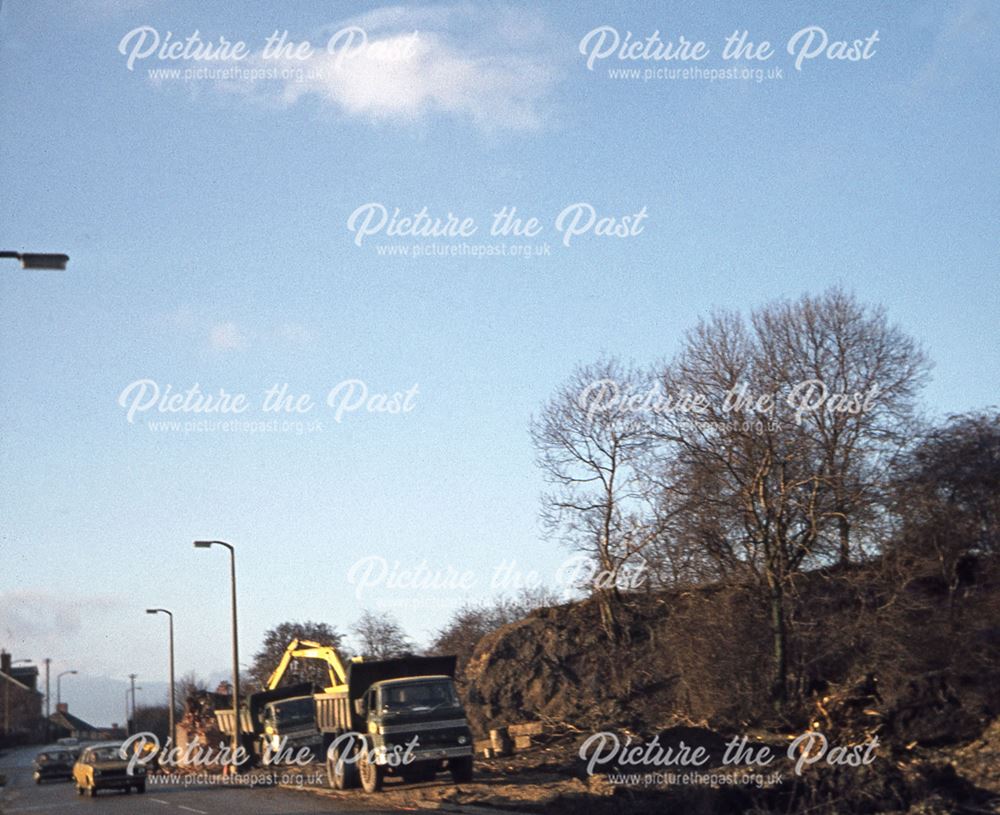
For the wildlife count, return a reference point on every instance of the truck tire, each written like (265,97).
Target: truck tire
(341,772)
(461,769)
(372,775)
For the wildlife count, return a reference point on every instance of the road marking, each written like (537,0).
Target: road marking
(158,801)
(192,809)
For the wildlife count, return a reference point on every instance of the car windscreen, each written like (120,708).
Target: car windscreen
(54,756)
(105,754)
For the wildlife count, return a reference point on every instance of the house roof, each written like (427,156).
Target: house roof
(5,677)
(70,722)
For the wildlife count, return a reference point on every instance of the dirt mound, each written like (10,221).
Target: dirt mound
(703,656)
(557,665)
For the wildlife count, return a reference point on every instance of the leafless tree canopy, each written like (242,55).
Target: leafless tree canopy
(469,624)
(765,454)
(590,444)
(380,636)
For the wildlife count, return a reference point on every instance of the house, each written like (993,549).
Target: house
(63,725)
(20,702)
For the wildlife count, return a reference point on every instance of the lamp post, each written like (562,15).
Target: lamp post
(37,260)
(169,614)
(236,648)
(59,687)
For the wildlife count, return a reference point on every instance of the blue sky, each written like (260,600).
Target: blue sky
(207,225)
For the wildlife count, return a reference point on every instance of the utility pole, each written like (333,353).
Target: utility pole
(48,700)
(128,722)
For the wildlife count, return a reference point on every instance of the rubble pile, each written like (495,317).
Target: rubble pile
(198,724)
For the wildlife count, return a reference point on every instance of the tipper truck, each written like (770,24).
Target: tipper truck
(389,717)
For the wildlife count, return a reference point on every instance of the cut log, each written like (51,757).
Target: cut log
(526,729)
(500,741)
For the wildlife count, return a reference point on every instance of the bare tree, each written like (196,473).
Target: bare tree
(853,377)
(765,478)
(190,684)
(470,623)
(589,441)
(380,636)
(947,497)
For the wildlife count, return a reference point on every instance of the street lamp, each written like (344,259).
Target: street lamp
(36,260)
(59,687)
(172,697)
(236,649)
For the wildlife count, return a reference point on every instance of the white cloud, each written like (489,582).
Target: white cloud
(227,337)
(45,622)
(494,68)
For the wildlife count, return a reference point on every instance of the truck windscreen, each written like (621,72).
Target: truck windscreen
(419,694)
(297,711)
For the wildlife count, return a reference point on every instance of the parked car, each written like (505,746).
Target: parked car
(53,764)
(102,768)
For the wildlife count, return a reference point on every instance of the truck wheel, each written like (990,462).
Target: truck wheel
(140,788)
(341,771)
(461,769)
(372,775)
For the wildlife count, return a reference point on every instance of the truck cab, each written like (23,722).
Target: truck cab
(287,726)
(416,725)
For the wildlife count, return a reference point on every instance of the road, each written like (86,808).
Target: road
(22,796)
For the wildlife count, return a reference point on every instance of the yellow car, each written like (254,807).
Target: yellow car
(102,767)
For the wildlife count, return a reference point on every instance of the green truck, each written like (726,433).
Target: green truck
(397,717)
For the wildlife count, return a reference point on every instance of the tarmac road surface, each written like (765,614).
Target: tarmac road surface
(22,796)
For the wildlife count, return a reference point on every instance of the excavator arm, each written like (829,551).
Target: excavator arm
(306,649)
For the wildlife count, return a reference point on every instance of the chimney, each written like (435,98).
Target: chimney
(62,707)
(5,662)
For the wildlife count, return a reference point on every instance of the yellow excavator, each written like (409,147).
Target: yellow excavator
(307,649)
